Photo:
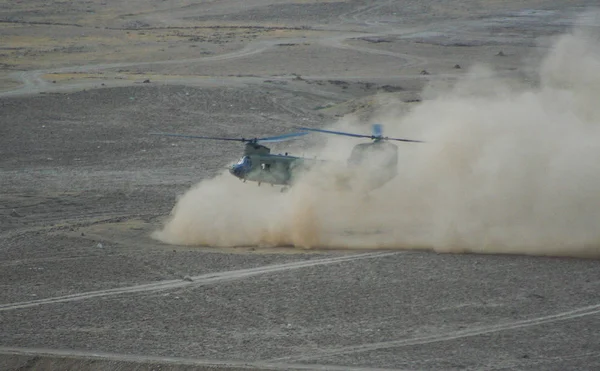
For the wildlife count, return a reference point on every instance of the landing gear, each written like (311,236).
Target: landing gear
(285,189)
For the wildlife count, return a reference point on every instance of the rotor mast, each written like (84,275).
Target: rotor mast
(253,148)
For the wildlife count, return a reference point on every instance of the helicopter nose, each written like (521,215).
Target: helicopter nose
(236,170)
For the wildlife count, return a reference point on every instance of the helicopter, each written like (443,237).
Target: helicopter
(374,163)
(258,164)
(370,165)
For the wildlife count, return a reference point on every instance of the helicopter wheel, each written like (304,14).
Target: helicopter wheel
(285,189)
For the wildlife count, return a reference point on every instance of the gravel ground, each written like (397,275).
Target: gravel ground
(83,284)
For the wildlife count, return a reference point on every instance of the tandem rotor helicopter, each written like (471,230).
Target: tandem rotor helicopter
(377,160)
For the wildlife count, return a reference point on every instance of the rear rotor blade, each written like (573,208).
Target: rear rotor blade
(404,140)
(375,129)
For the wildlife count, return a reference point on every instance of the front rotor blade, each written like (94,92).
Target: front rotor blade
(202,137)
(280,138)
(336,132)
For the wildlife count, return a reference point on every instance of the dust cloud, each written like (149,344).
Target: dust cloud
(507,168)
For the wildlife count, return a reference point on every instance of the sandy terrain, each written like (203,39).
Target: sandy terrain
(84,285)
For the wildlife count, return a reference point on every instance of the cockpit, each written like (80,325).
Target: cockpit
(242,167)
(244,160)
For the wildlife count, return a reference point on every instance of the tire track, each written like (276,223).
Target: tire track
(409,60)
(33,83)
(143,359)
(201,280)
(356,13)
(74,220)
(538,361)
(482,330)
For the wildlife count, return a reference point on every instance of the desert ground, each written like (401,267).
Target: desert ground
(85,283)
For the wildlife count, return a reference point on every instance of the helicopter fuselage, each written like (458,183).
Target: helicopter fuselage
(369,166)
(259,165)
(261,168)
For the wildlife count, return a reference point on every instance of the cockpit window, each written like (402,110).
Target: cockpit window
(243,160)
